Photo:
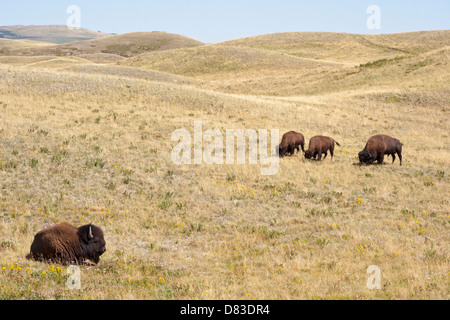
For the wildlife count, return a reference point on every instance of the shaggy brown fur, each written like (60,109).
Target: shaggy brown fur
(66,244)
(291,141)
(378,146)
(319,145)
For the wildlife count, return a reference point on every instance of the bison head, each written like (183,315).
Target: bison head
(366,157)
(92,242)
(308,154)
(282,151)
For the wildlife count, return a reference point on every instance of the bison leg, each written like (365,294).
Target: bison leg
(400,157)
(320,156)
(326,154)
(393,158)
(291,150)
(380,159)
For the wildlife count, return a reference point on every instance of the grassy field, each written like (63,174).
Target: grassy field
(87,139)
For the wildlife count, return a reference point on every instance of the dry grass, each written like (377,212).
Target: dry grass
(271,64)
(217,61)
(8,45)
(124,45)
(91,144)
(345,47)
(49,33)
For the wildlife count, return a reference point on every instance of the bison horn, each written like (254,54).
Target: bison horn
(90,232)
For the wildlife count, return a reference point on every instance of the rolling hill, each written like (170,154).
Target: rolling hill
(345,47)
(125,45)
(216,60)
(10,47)
(51,33)
(307,63)
(286,64)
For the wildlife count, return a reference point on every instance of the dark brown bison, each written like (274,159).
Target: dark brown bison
(66,244)
(319,145)
(378,146)
(291,140)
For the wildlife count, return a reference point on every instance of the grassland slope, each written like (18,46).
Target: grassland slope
(89,143)
(346,47)
(49,33)
(217,60)
(126,45)
(301,63)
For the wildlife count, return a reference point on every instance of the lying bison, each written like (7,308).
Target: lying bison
(319,145)
(66,244)
(291,141)
(378,146)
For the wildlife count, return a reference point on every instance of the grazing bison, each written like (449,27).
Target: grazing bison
(66,244)
(291,141)
(379,145)
(319,145)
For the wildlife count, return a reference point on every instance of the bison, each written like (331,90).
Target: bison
(291,141)
(66,244)
(319,145)
(378,146)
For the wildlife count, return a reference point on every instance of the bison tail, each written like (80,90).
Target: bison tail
(337,143)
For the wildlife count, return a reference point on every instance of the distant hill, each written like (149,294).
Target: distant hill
(216,59)
(281,64)
(308,63)
(52,34)
(346,47)
(124,45)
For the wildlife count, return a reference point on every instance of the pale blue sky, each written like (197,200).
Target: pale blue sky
(215,21)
